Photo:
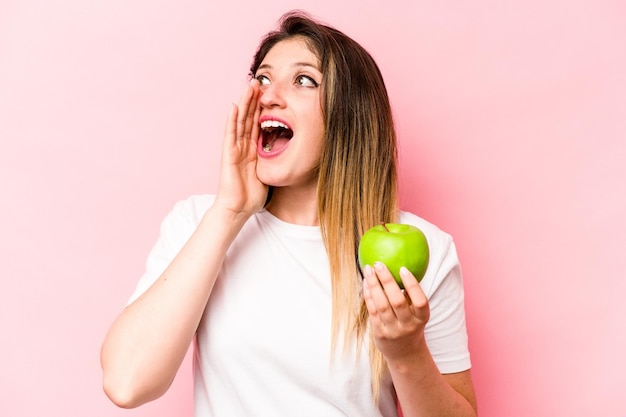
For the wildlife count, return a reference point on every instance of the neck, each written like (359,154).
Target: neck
(294,206)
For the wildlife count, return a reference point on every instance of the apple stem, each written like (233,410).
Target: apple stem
(384,226)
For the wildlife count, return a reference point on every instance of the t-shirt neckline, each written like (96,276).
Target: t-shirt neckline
(296,230)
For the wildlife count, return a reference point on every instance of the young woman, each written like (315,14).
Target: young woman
(263,276)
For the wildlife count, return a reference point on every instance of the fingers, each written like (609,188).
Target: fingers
(230,135)
(387,299)
(387,303)
(242,121)
(419,301)
(248,108)
(252,117)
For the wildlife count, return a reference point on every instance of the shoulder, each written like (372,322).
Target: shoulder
(176,228)
(184,217)
(193,206)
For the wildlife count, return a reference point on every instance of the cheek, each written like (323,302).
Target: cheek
(318,143)
(310,153)
(318,128)
(314,131)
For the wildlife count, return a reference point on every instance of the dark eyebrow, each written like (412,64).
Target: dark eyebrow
(295,65)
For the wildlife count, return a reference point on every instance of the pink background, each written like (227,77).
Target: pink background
(512,118)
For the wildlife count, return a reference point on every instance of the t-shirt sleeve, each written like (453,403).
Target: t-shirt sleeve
(446,333)
(176,229)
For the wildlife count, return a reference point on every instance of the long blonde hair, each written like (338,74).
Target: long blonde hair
(357,185)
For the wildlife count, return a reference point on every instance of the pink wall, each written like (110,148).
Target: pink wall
(512,117)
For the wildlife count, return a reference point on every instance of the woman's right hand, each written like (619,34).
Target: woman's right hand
(148,341)
(240,191)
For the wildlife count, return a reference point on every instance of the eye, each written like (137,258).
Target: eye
(306,81)
(263,80)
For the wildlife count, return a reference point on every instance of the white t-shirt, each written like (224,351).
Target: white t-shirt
(263,345)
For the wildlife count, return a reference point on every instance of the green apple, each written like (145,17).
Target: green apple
(395,245)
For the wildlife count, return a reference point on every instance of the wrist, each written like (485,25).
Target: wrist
(226,215)
(417,357)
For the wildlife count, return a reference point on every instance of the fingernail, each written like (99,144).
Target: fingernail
(379,266)
(404,272)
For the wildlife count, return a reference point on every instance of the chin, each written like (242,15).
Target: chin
(270,179)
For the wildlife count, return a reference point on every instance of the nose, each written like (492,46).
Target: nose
(271,96)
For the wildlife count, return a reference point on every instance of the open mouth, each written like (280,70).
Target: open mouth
(275,135)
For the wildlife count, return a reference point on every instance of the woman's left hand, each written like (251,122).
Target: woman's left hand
(397,317)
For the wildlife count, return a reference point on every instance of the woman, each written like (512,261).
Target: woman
(263,276)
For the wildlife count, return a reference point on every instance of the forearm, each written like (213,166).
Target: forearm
(147,343)
(423,391)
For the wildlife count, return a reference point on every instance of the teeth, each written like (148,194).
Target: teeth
(267,147)
(273,123)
